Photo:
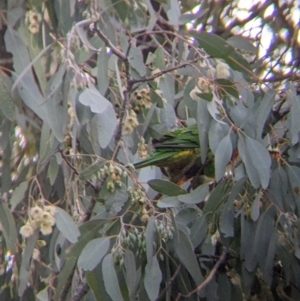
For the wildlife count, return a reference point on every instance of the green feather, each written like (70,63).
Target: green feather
(180,146)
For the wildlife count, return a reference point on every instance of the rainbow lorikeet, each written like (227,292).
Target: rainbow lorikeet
(177,153)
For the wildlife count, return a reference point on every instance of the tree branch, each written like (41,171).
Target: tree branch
(208,279)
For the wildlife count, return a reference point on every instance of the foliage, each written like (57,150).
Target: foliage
(91,84)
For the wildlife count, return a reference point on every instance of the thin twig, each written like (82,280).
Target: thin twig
(109,44)
(168,284)
(209,277)
(162,72)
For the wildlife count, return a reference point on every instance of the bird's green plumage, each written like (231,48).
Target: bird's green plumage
(177,150)
(178,147)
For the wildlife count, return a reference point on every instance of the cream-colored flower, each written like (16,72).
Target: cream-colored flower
(222,70)
(130,123)
(36,254)
(47,219)
(204,85)
(194,92)
(34,28)
(36,212)
(50,209)
(45,229)
(215,237)
(26,231)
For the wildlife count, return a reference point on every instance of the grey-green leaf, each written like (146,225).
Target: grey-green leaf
(18,195)
(153,277)
(149,236)
(185,252)
(92,98)
(66,225)
(255,207)
(166,187)
(8,227)
(264,111)
(196,196)
(222,157)
(293,99)
(110,278)
(93,253)
(261,160)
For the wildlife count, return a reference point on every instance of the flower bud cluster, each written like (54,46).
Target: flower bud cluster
(33,19)
(130,239)
(137,195)
(130,123)
(141,100)
(164,230)
(114,176)
(222,70)
(42,218)
(142,149)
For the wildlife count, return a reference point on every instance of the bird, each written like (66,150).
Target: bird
(177,153)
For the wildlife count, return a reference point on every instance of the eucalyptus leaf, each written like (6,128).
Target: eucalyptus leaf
(93,253)
(66,225)
(185,253)
(18,195)
(153,278)
(223,155)
(149,236)
(92,98)
(111,279)
(8,227)
(196,196)
(166,187)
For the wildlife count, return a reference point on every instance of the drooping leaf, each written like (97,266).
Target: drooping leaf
(293,100)
(102,76)
(25,262)
(227,220)
(149,236)
(184,251)
(261,160)
(169,202)
(18,195)
(247,238)
(135,59)
(217,132)
(203,123)
(8,227)
(92,98)
(66,225)
(166,187)
(255,207)
(263,234)
(263,111)
(111,279)
(153,277)
(241,42)
(223,155)
(196,196)
(172,9)
(7,105)
(257,161)
(217,197)
(269,263)
(215,46)
(251,170)
(131,275)
(199,230)
(93,253)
